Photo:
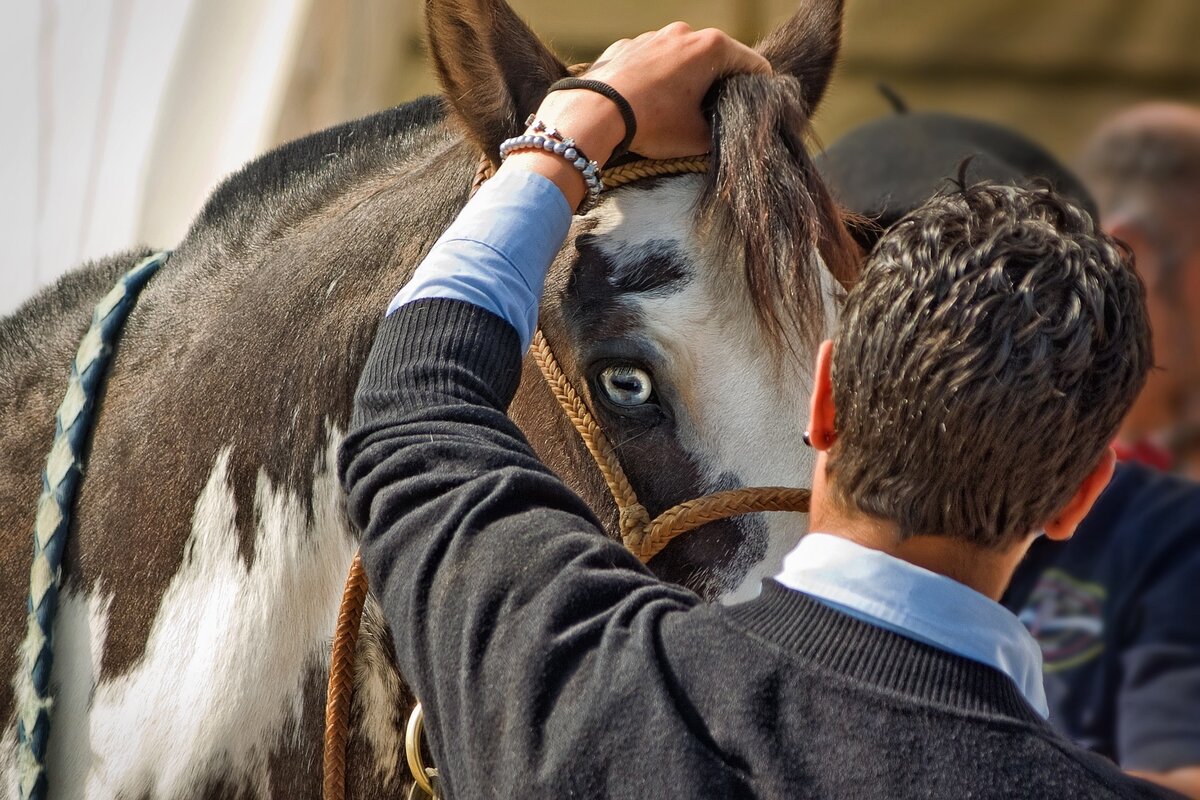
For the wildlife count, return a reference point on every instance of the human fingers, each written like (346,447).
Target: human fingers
(663,75)
(733,57)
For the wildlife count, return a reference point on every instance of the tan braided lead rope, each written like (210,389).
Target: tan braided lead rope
(643,536)
(622,175)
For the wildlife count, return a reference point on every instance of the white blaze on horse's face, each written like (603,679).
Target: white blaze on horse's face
(740,406)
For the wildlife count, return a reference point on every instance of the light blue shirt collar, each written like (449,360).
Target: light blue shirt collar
(884,590)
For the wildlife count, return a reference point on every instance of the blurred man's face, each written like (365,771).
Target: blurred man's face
(1171,273)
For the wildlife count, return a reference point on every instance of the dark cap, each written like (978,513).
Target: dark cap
(886,168)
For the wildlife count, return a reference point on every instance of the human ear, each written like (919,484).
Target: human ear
(822,430)
(1063,526)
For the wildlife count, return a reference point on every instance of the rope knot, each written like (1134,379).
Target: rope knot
(634,522)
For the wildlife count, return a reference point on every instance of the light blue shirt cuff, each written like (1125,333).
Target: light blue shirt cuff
(497,253)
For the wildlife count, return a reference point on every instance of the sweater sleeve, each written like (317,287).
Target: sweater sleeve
(519,625)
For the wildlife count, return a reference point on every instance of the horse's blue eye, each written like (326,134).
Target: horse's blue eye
(626,386)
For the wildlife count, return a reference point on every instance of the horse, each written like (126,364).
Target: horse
(210,540)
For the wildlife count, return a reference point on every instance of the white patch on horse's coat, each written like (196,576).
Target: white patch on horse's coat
(80,632)
(744,410)
(10,789)
(229,653)
(378,693)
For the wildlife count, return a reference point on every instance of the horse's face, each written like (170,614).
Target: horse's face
(664,338)
(685,309)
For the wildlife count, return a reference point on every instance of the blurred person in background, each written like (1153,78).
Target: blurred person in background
(1143,168)
(1116,608)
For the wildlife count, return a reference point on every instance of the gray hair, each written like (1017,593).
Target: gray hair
(1144,169)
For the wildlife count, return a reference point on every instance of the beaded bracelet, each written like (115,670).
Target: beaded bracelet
(543,137)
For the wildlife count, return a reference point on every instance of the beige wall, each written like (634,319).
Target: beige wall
(1050,67)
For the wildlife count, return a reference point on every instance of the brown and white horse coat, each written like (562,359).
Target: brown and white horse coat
(210,545)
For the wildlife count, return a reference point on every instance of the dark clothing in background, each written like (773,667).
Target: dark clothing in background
(1116,610)
(552,664)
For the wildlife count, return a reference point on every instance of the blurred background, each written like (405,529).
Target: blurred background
(121,115)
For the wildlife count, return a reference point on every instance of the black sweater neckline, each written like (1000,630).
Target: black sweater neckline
(887,661)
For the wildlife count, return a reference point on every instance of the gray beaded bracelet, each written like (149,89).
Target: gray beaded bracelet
(543,137)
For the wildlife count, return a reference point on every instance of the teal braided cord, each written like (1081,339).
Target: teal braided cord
(60,482)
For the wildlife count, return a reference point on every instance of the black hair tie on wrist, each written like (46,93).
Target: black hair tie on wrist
(612,94)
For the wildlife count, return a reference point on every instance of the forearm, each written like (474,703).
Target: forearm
(496,253)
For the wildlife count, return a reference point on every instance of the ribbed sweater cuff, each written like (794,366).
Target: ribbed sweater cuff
(439,349)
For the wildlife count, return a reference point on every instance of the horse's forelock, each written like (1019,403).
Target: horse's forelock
(765,200)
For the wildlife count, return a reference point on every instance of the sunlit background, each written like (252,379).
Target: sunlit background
(121,115)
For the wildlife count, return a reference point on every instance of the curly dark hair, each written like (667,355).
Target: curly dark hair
(983,363)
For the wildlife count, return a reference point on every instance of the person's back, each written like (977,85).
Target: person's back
(1122,662)
(897,718)
(1015,338)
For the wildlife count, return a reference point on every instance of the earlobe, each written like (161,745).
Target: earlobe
(1063,526)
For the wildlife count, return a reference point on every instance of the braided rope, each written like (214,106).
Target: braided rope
(641,535)
(720,505)
(639,170)
(341,679)
(60,484)
(617,177)
(633,518)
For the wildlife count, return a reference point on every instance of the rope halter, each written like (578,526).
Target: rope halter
(643,536)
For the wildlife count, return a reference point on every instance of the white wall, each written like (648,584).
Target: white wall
(121,115)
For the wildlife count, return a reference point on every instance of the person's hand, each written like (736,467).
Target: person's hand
(664,75)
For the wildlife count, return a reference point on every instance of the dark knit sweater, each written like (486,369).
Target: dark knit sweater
(552,664)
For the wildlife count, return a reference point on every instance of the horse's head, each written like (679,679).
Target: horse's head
(686,309)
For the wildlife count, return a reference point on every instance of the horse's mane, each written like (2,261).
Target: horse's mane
(308,158)
(42,316)
(766,200)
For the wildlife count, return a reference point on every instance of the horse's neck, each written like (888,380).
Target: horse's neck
(214,463)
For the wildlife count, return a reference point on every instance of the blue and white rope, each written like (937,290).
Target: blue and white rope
(60,482)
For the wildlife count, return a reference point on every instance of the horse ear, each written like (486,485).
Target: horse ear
(807,46)
(492,67)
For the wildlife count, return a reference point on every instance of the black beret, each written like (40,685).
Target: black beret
(886,168)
